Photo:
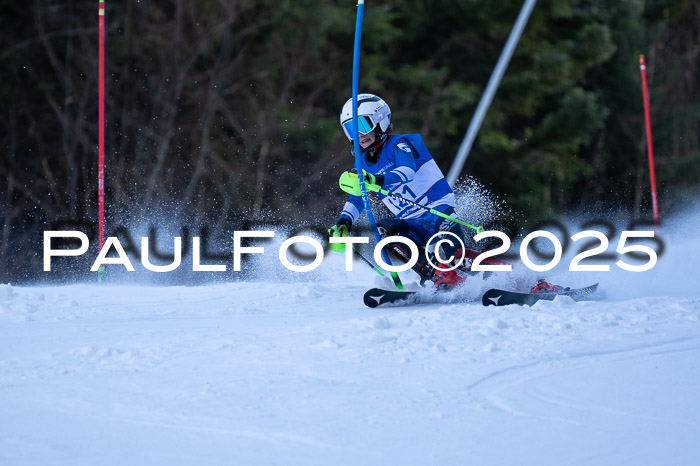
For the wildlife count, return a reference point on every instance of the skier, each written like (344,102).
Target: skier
(401,164)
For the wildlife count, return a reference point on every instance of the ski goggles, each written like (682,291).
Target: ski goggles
(365,124)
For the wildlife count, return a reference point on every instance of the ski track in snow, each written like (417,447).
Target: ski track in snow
(302,373)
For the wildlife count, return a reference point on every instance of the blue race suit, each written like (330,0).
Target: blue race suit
(410,172)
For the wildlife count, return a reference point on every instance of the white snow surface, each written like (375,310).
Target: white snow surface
(301,373)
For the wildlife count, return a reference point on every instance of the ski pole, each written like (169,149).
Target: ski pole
(432,211)
(368,262)
(347,185)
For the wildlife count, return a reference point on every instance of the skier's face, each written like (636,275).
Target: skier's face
(367,140)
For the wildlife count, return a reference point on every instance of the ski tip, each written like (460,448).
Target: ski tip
(371,301)
(376,297)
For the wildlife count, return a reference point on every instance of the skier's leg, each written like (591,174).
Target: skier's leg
(433,224)
(416,230)
(408,229)
(419,231)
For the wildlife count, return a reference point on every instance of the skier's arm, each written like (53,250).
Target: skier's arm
(342,227)
(353,208)
(405,166)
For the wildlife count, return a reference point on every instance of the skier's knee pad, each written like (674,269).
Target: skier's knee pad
(392,227)
(395,227)
(402,253)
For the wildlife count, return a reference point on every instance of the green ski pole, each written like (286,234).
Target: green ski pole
(348,185)
(368,262)
(432,211)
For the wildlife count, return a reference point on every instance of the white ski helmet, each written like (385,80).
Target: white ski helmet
(371,111)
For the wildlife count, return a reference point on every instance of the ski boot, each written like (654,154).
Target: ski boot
(546,287)
(443,281)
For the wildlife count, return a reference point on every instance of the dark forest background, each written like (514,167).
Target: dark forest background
(222,110)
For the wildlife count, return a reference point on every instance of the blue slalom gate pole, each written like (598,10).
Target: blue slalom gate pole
(356,138)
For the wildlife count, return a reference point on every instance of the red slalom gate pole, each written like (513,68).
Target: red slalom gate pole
(650,149)
(101,136)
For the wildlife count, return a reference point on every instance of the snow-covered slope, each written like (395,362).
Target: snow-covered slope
(302,373)
(292,369)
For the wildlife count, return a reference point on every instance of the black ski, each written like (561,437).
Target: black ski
(493,297)
(496,297)
(376,296)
